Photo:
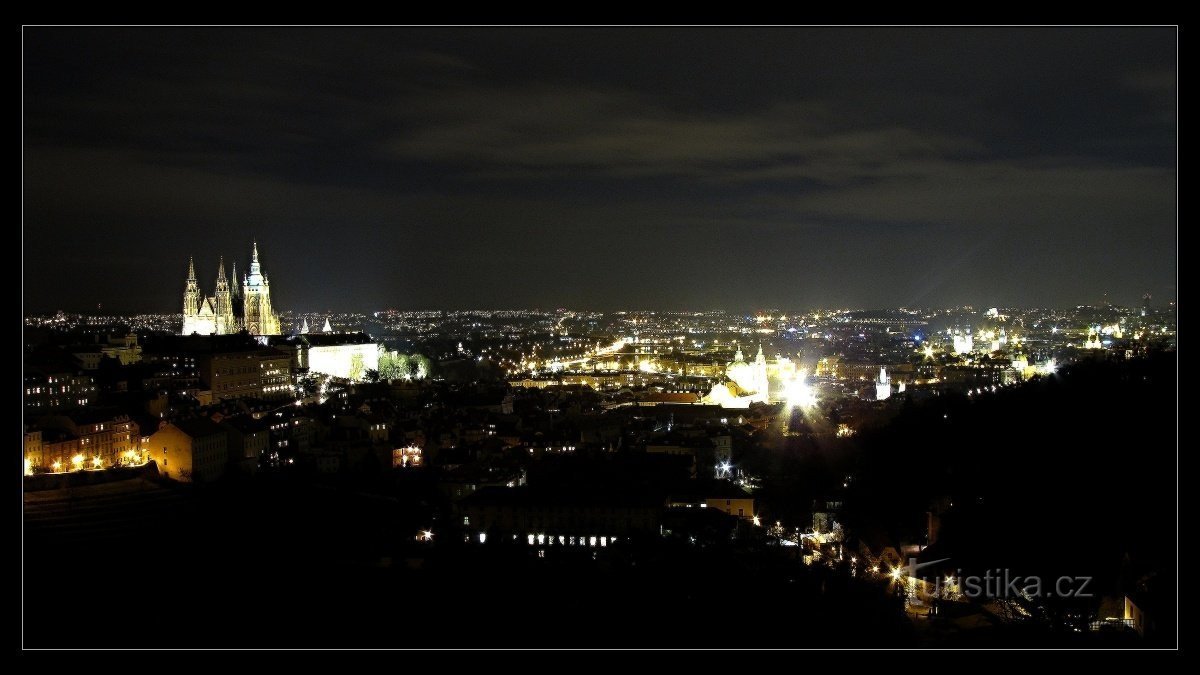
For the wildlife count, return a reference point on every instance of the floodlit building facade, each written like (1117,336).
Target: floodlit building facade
(191,450)
(231,308)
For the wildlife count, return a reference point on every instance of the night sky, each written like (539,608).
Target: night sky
(679,168)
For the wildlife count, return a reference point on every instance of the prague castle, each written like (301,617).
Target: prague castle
(232,308)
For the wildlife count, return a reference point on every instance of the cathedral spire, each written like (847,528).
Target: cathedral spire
(255,268)
(221,268)
(191,269)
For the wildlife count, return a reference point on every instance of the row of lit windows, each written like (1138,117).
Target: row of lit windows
(55,403)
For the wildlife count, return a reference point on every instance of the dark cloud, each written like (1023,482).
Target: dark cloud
(602,167)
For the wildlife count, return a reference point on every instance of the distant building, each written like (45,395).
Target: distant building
(751,378)
(344,355)
(579,517)
(83,440)
(246,373)
(249,439)
(33,449)
(964,342)
(50,388)
(125,349)
(657,398)
(232,308)
(719,495)
(883,385)
(191,450)
(220,367)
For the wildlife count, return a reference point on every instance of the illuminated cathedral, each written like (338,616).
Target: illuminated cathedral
(232,308)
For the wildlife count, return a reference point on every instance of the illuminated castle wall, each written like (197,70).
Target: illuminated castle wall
(232,308)
(348,361)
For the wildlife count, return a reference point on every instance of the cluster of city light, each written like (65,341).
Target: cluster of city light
(409,456)
(133,458)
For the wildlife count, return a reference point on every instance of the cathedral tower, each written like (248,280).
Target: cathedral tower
(191,292)
(260,318)
(197,309)
(235,296)
(225,320)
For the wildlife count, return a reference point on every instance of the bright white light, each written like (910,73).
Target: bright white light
(798,393)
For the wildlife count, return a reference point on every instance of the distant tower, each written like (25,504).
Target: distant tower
(762,384)
(198,315)
(1146,304)
(235,296)
(225,321)
(304,327)
(260,318)
(191,294)
(883,386)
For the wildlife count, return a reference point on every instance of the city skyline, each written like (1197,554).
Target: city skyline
(666,337)
(668,168)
